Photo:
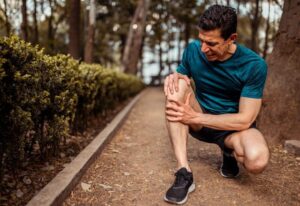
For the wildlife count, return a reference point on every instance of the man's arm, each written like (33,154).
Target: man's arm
(248,111)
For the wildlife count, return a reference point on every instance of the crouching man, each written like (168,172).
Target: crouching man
(229,81)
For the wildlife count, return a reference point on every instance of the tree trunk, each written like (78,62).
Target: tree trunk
(24,24)
(74,30)
(123,38)
(42,6)
(254,27)
(280,118)
(169,60)
(179,55)
(160,54)
(187,33)
(142,65)
(134,38)
(238,6)
(88,53)
(50,28)
(141,68)
(7,24)
(278,4)
(35,24)
(266,46)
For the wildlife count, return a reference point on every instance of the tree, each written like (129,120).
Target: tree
(88,53)
(186,17)
(254,26)
(74,30)
(50,27)
(279,119)
(7,24)
(35,24)
(228,2)
(266,46)
(238,6)
(24,25)
(133,45)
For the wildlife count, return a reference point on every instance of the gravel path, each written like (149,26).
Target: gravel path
(137,167)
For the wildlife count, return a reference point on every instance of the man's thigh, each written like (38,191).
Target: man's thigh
(247,143)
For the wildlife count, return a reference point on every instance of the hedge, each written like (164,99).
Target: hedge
(45,98)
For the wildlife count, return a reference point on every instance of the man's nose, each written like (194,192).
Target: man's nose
(204,47)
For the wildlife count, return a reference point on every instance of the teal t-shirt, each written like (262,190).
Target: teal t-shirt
(219,85)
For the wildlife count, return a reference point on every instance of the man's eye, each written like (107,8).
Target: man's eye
(211,44)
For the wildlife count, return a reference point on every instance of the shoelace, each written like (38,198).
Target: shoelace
(179,179)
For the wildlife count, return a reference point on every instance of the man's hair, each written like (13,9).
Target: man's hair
(219,17)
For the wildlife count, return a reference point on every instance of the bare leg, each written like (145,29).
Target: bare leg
(250,149)
(178,132)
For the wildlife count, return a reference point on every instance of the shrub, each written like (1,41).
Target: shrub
(43,98)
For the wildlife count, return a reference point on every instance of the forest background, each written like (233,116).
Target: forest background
(147,38)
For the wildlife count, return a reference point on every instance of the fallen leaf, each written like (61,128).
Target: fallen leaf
(105,186)
(86,187)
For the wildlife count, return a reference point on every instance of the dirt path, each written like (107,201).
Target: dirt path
(137,167)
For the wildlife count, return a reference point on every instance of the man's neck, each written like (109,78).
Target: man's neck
(229,53)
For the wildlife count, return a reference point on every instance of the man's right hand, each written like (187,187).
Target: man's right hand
(171,82)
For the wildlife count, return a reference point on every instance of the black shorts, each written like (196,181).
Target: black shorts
(215,136)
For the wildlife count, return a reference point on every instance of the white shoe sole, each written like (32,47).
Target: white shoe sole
(223,175)
(191,189)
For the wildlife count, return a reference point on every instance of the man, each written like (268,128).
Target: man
(229,81)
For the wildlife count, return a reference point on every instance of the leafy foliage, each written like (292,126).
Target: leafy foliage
(43,98)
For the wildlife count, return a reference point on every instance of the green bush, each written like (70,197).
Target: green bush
(43,98)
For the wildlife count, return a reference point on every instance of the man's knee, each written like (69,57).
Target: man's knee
(183,89)
(257,160)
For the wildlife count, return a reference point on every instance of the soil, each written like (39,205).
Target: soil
(20,186)
(138,165)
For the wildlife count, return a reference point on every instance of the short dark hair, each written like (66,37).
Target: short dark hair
(219,17)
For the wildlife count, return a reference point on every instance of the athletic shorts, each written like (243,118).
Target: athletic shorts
(215,136)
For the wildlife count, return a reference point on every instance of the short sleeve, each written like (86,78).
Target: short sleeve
(255,81)
(184,67)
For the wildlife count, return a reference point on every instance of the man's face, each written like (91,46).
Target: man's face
(214,46)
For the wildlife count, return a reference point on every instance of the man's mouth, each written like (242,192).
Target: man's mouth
(210,55)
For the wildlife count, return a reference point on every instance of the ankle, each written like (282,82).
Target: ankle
(185,166)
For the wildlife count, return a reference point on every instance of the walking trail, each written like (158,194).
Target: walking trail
(138,165)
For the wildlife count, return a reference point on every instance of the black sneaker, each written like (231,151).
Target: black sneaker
(229,168)
(183,185)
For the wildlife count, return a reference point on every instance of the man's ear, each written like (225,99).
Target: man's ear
(233,36)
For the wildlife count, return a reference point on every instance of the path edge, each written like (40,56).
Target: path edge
(59,188)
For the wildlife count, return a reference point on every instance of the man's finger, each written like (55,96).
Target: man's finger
(176,81)
(176,102)
(173,107)
(187,101)
(173,119)
(188,81)
(173,113)
(170,84)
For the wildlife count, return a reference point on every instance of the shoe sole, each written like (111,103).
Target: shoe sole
(226,176)
(191,189)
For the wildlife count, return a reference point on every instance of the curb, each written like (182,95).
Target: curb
(59,188)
